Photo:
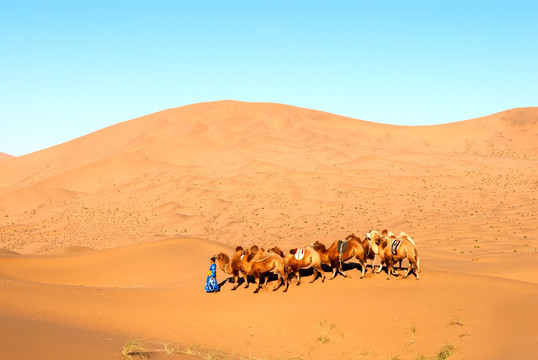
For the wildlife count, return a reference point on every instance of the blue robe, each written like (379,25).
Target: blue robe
(211,284)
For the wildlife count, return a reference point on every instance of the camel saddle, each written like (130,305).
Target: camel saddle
(299,254)
(395,245)
(342,246)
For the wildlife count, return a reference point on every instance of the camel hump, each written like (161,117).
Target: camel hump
(403,235)
(293,251)
(239,248)
(254,248)
(277,250)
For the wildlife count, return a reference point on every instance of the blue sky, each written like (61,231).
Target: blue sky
(68,68)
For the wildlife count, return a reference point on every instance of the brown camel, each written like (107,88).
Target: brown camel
(370,254)
(232,267)
(309,259)
(335,258)
(257,262)
(406,250)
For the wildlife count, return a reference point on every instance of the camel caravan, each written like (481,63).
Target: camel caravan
(262,264)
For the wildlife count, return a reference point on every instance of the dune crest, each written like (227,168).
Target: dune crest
(5,156)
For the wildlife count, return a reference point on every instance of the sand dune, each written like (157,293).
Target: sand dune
(4,156)
(108,236)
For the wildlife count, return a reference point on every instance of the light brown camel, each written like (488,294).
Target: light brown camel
(373,235)
(257,262)
(309,259)
(335,257)
(406,250)
(232,267)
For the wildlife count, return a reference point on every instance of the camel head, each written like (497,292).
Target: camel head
(222,256)
(382,241)
(249,253)
(239,248)
(372,236)
(318,246)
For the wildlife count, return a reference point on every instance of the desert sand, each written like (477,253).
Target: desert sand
(108,237)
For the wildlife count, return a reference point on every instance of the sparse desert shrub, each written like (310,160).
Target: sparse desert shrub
(445,352)
(325,328)
(134,348)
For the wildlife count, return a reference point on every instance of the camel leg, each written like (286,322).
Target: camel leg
(380,265)
(389,269)
(317,273)
(341,270)
(413,266)
(363,268)
(259,281)
(246,281)
(334,272)
(298,275)
(236,282)
(280,281)
(408,271)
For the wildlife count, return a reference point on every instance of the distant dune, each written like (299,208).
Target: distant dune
(4,156)
(112,232)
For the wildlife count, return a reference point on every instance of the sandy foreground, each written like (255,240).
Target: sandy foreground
(107,237)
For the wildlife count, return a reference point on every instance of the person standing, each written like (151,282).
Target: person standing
(211,284)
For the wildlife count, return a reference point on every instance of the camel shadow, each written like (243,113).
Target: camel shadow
(240,281)
(251,279)
(345,266)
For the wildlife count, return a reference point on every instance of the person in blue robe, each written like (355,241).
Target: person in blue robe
(211,284)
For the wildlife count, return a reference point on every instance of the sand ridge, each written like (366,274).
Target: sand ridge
(112,232)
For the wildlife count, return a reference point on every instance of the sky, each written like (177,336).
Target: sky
(69,68)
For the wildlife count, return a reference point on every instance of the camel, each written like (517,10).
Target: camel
(370,253)
(311,258)
(335,258)
(232,267)
(406,250)
(257,262)
(371,238)
(373,235)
